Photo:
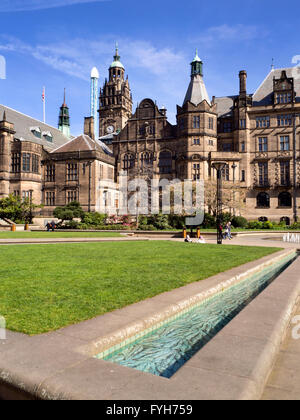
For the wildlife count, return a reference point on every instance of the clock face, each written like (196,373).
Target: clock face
(110,129)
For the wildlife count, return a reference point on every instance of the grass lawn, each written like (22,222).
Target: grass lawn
(45,288)
(39,235)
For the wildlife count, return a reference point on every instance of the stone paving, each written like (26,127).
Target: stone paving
(284,381)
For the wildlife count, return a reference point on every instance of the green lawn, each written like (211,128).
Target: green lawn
(45,288)
(39,235)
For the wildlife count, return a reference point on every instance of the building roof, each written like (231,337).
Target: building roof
(196,92)
(264,94)
(35,131)
(83,143)
(225,106)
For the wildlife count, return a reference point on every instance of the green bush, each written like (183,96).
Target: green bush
(69,212)
(209,221)
(255,225)
(239,222)
(147,227)
(159,221)
(176,221)
(94,219)
(268,225)
(294,226)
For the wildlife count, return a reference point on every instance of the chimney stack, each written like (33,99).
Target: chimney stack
(243,82)
(89,127)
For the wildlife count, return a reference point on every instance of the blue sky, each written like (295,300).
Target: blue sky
(56,43)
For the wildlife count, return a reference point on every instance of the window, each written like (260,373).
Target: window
(263,144)
(284,98)
(210,142)
(146,159)
(263,174)
(284,143)
(48,136)
(197,142)
(227,127)
(227,147)
(263,200)
(26,162)
(243,147)
(142,130)
(197,122)
(196,171)
(16,193)
(110,173)
(50,173)
(128,162)
(286,220)
(285,175)
(36,131)
(165,163)
(226,173)
(72,172)
(242,123)
(35,164)
(50,198)
(16,163)
(243,176)
(71,196)
(284,200)
(152,129)
(284,120)
(211,123)
(262,122)
(101,171)
(27,195)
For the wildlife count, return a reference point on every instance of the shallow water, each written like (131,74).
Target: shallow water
(165,350)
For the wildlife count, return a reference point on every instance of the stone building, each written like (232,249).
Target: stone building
(256,135)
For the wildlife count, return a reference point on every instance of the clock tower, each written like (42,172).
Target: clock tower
(115,99)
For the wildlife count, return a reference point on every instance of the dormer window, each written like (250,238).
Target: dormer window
(283,89)
(36,131)
(48,136)
(284,98)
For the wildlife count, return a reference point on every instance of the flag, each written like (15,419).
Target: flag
(43,95)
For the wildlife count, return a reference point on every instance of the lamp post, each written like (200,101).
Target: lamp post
(295,210)
(30,208)
(89,165)
(234,166)
(219,166)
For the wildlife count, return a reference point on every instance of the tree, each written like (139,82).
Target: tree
(17,210)
(233,196)
(69,212)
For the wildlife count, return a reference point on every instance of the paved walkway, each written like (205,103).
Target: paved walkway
(284,382)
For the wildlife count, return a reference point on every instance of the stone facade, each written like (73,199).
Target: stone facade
(256,135)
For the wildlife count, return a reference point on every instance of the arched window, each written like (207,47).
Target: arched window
(146,159)
(263,200)
(284,200)
(286,220)
(263,219)
(165,163)
(128,162)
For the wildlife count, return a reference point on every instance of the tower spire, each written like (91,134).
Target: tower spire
(197,65)
(64,118)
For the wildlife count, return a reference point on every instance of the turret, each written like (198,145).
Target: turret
(64,118)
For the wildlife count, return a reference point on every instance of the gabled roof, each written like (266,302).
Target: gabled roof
(264,94)
(83,143)
(225,106)
(196,92)
(25,127)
